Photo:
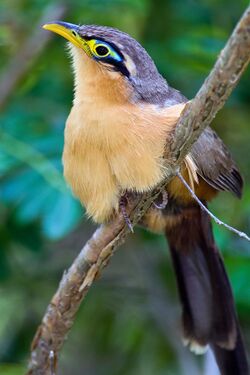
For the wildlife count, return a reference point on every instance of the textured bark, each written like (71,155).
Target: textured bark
(75,283)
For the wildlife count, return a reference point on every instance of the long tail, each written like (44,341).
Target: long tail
(209,316)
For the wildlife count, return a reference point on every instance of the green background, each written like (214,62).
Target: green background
(129,322)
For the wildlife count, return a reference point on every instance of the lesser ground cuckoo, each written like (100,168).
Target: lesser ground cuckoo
(122,115)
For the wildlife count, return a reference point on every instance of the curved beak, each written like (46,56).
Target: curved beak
(68,30)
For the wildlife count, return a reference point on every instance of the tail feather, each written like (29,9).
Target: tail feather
(209,316)
(232,362)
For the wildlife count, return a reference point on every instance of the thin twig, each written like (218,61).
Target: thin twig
(197,114)
(204,208)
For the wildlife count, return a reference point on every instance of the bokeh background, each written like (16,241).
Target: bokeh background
(129,322)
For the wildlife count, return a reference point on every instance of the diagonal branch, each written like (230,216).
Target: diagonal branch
(75,284)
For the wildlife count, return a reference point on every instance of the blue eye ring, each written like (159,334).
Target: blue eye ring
(102,50)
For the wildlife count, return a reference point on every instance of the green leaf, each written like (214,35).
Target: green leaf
(61,215)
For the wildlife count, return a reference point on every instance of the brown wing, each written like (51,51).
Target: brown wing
(215,164)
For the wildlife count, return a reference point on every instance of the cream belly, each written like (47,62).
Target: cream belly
(111,144)
(106,155)
(109,151)
(91,180)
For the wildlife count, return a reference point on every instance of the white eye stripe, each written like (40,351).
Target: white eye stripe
(130,65)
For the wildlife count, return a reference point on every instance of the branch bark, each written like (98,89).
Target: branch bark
(75,283)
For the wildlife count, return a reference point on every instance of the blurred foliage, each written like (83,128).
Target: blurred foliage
(128,324)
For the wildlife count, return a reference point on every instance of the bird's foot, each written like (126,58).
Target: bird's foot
(163,203)
(122,205)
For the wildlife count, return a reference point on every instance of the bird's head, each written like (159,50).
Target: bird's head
(116,54)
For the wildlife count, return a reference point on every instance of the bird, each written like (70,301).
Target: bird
(122,117)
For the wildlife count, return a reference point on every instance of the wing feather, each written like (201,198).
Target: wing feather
(215,164)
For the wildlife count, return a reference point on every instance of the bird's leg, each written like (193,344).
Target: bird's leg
(164,202)
(122,205)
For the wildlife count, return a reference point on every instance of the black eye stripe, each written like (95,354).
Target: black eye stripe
(112,45)
(114,65)
(121,67)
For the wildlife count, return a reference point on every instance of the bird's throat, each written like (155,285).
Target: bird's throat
(95,83)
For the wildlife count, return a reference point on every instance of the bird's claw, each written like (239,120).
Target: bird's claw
(122,206)
(164,201)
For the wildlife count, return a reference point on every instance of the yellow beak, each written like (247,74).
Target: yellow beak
(68,30)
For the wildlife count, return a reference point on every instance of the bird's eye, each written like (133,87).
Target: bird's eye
(101,50)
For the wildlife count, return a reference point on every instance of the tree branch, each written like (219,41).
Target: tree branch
(75,283)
